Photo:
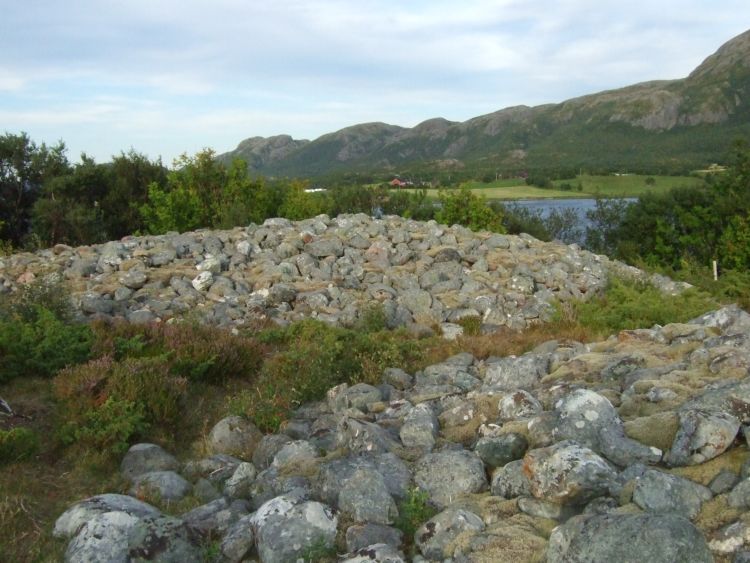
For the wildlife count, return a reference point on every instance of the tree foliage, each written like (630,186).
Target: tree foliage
(464,207)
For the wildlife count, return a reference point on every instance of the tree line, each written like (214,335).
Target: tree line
(45,200)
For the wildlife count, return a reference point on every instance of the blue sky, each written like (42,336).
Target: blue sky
(166,77)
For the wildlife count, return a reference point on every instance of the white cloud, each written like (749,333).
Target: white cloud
(192,72)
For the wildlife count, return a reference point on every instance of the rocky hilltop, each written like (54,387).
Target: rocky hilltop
(423,274)
(653,124)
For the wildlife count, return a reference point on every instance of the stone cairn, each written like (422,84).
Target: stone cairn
(630,449)
(423,274)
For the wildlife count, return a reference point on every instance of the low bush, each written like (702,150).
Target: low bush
(413,511)
(18,444)
(630,304)
(108,428)
(40,344)
(105,397)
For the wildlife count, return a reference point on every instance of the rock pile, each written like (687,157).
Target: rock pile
(332,269)
(630,449)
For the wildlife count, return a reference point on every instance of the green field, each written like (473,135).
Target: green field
(591,186)
(632,185)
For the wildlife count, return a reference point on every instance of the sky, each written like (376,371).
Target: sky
(166,77)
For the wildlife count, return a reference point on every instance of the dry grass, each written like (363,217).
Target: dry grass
(508,342)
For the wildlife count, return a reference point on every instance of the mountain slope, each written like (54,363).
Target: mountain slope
(665,125)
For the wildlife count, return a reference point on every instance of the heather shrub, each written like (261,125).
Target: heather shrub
(195,352)
(312,357)
(146,382)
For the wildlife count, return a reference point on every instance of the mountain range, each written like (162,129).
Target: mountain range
(661,126)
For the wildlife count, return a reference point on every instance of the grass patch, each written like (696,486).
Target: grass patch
(632,304)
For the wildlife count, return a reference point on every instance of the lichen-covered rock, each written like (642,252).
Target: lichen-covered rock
(656,538)
(447,474)
(287,526)
(81,512)
(568,473)
(235,436)
(702,435)
(656,491)
(435,536)
(164,485)
(365,498)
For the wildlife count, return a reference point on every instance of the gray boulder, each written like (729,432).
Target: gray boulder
(656,491)
(420,428)
(144,458)
(81,512)
(365,498)
(446,474)
(702,435)
(496,451)
(568,473)
(288,526)
(656,538)
(235,436)
(434,537)
(164,485)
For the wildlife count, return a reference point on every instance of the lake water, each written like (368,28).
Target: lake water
(545,206)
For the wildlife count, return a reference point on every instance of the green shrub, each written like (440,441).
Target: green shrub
(632,304)
(472,325)
(46,294)
(413,511)
(41,344)
(108,428)
(18,444)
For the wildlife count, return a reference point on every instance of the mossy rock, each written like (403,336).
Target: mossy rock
(657,430)
(704,473)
